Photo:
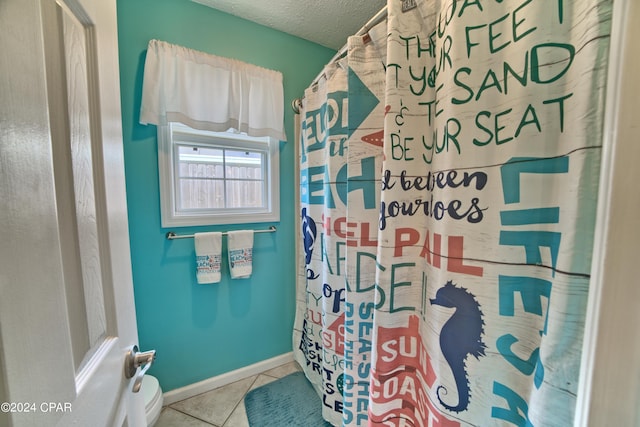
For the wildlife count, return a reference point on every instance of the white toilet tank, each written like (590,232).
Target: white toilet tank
(152,399)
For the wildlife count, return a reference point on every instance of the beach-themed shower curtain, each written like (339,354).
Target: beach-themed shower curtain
(448,180)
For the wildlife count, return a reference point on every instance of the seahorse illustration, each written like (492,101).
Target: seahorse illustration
(460,336)
(309,233)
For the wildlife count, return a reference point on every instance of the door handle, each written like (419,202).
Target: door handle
(135,359)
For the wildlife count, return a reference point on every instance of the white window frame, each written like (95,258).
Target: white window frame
(171,216)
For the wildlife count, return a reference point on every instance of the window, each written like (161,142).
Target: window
(216,177)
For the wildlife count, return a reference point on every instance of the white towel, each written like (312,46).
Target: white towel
(240,253)
(208,256)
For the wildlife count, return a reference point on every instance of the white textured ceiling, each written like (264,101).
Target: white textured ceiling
(325,22)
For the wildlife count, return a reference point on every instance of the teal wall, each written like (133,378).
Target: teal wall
(200,331)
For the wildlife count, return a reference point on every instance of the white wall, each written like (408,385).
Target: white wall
(609,393)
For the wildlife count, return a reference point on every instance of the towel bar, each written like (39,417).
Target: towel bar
(172,236)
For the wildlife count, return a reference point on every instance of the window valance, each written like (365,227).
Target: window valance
(208,92)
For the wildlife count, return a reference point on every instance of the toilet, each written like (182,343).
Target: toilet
(152,399)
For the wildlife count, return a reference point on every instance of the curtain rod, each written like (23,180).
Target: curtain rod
(172,236)
(377,18)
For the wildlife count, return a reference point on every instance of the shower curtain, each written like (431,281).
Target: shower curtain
(448,183)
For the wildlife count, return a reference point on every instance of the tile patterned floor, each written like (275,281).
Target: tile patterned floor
(222,407)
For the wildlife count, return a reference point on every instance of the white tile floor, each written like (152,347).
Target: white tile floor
(222,407)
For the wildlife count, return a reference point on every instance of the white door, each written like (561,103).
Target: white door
(67,316)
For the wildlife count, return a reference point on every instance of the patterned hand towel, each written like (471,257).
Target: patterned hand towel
(240,253)
(208,256)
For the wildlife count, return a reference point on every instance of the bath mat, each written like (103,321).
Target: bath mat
(288,401)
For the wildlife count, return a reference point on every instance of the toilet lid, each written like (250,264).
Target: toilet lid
(150,389)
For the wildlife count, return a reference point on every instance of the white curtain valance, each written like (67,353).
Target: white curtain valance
(208,92)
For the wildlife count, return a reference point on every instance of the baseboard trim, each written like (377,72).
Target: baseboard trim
(224,379)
